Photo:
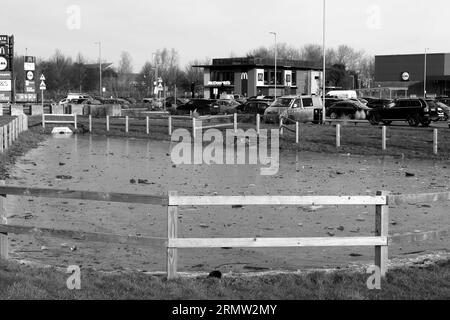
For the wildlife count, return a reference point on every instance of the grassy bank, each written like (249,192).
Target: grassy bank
(363,139)
(26,282)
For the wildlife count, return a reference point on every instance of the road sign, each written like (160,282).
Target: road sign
(42,78)
(3,64)
(30,75)
(42,86)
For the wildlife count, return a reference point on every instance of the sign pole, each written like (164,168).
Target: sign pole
(42,98)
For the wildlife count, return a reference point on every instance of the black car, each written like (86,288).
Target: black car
(413,110)
(330,101)
(378,103)
(201,106)
(254,106)
(348,109)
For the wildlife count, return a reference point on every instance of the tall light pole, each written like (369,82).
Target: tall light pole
(425,75)
(275,34)
(100,66)
(323,65)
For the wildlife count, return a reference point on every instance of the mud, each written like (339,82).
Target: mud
(99,163)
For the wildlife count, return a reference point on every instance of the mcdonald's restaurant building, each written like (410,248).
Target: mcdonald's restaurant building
(256,76)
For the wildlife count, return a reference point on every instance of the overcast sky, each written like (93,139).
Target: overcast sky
(215,29)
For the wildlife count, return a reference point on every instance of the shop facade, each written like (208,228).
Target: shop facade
(408,71)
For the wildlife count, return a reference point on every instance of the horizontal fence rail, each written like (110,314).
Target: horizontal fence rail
(84,195)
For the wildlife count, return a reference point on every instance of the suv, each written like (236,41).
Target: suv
(414,111)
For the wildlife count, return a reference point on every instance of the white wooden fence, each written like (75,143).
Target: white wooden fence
(10,132)
(73,120)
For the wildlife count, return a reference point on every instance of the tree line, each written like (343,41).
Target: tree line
(346,68)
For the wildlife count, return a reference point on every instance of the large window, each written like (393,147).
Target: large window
(222,76)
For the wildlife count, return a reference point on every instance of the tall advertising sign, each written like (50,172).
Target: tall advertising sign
(30,84)
(6,56)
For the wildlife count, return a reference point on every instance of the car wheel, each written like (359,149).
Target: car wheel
(413,120)
(425,123)
(387,122)
(374,119)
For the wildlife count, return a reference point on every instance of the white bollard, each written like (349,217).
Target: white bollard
(170,125)
(107,123)
(235,122)
(126,124)
(90,123)
(296,132)
(43,121)
(338,135)
(383,138)
(281,126)
(147,125)
(435,141)
(193,128)
(75,121)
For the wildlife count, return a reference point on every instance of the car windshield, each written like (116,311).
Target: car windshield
(281,103)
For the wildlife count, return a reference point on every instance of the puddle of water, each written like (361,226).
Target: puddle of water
(115,165)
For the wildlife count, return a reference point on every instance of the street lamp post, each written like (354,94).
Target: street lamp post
(323,65)
(425,75)
(100,66)
(275,34)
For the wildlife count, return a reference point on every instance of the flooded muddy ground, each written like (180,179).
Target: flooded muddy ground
(99,163)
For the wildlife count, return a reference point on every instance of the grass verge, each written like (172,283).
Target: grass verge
(29,282)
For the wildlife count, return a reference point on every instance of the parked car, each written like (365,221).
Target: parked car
(330,101)
(445,110)
(254,106)
(413,110)
(226,106)
(170,102)
(200,106)
(378,103)
(348,109)
(298,108)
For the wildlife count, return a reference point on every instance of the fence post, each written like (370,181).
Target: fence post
(10,136)
(170,125)
(338,135)
(383,138)
(235,122)
(90,123)
(43,120)
(147,125)
(126,124)
(296,132)
(435,141)
(5,136)
(193,128)
(3,220)
(382,230)
(1,139)
(258,123)
(172,219)
(75,121)
(107,123)
(281,126)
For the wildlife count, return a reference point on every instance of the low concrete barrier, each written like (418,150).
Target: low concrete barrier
(57,109)
(16,109)
(36,109)
(76,109)
(113,110)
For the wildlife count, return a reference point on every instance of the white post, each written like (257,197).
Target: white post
(338,135)
(126,124)
(107,123)
(170,125)
(43,121)
(75,121)
(296,132)
(4,242)
(235,122)
(147,125)
(383,138)
(435,141)
(258,123)
(382,230)
(193,128)
(90,123)
(281,126)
